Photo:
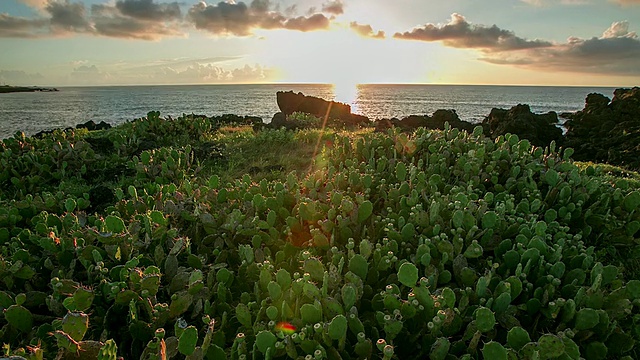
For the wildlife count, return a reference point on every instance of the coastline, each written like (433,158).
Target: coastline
(5,89)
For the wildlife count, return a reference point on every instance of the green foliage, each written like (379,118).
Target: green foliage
(188,340)
(75,325)
(19,317)
(408,274)
(523,254)
(494,350)
(108,351)
(265,340)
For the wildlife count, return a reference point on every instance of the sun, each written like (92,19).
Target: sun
(346,92)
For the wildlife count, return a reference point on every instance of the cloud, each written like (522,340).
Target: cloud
(15,77)
(137,19)
(626,2)
(461,34)
(366,30)
(152,19)
(240,19)
(335,7)
(310,23)
(128,19)
(540,3)
(67,17)
(89,74)
(19,27)
(36,4)
(148,10)
(615,52)
(210,73)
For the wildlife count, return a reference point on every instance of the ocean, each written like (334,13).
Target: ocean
(34,112)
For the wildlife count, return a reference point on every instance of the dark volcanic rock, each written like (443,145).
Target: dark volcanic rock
(413,122)
(539,129)
(441,116)
(280,120)
(383,125)
(607,131)
(434,122)
(92,126)
(339,113)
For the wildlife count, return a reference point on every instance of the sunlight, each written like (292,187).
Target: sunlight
(346,92)
(344,58)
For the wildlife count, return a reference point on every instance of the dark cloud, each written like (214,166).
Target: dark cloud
(148,10)
(310,23)
(67,17)
(127,20)
(241,19)
(18,27)
(153,19)
(335,7)
(366,30)
(461,34)
(615,52)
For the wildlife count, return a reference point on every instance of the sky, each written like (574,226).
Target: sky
(343,42)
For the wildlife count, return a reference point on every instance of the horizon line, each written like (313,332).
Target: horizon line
(329,84)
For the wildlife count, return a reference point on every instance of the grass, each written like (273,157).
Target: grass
(271,153)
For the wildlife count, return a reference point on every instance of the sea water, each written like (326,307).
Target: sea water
(34,112)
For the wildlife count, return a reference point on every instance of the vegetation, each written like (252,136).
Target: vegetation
(204,238)
(10,89)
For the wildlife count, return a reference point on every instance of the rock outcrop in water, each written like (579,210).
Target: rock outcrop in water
(338,113)
(539,129)
(607,130)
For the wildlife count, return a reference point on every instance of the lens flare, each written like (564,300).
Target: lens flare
(286,327)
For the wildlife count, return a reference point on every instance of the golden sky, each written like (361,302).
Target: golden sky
(345,42)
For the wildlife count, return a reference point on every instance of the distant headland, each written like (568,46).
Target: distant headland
(11,89)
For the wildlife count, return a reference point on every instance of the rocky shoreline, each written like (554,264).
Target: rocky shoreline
(12,89)
(606,130)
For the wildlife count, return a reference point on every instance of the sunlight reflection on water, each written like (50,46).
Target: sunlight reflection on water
(347,93)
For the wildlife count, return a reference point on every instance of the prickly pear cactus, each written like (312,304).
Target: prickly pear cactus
(108,351)
(494,350)
(408,274)
(485,319)
(265,340)
(338,327)
(188,340)
(19,317)
(75,324)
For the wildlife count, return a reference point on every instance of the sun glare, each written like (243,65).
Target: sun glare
(346,92)
(345,59)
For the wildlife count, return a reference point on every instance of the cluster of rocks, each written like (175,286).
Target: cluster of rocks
(89,125)
(605,131)
(433,122)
